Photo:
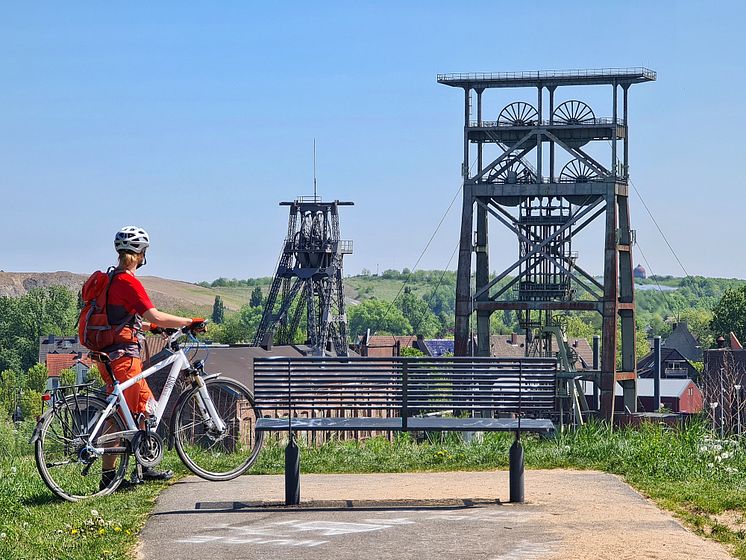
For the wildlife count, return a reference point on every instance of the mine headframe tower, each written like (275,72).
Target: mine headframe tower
(309,280)
(546,199)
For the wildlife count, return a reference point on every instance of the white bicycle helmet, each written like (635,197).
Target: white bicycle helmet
(131,238)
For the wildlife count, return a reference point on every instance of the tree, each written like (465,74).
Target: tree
(36,377)
(256,297)
(699,322)
(218,311)
(378,316)
(416,311)
(68,377)
(730,314)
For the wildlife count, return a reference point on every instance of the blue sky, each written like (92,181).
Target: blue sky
(194,120)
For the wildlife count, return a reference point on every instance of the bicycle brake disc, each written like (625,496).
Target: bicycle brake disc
(148,448)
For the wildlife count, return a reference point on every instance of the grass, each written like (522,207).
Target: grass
(701,479)
(35,524)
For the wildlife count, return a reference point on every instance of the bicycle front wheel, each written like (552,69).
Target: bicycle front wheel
(64,454)
(208,452)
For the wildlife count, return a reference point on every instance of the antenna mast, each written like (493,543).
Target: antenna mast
(314,168)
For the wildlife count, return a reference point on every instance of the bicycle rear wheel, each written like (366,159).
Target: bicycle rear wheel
(63,455)
(211,454)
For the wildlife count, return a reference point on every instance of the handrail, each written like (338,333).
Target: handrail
(593,122)
(549,74)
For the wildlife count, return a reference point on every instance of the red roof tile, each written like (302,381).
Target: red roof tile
(57,362)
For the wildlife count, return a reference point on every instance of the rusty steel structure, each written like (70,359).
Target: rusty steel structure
(535,175)
(308,281)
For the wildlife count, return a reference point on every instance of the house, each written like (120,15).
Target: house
(673,365)
(385,346)
(513,345)
(52,344)
(55,363)
(639,272)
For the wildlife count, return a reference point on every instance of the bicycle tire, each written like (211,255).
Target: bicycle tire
(59,449)
(212,456)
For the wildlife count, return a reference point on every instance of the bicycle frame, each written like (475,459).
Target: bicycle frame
(178,361)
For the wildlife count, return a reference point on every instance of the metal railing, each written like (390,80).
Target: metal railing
(603,121)
(635,71)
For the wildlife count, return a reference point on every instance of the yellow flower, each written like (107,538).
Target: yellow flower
(101,531)
(117,529)
(73,531)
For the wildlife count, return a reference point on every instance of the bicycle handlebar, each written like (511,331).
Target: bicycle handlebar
(175,334)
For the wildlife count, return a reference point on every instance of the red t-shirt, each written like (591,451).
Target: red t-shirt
(126,297)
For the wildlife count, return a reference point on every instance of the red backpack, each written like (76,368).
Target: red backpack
(94,330)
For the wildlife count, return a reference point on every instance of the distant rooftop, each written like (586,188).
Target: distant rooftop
(634,75)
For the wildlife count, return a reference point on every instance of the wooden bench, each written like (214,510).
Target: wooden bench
(405,394)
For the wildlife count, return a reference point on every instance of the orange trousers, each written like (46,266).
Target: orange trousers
(139,397)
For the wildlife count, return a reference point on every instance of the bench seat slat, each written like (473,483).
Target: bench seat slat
(424,424)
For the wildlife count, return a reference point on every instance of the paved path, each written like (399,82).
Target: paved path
(569,515)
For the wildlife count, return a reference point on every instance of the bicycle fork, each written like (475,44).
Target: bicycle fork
(207,407)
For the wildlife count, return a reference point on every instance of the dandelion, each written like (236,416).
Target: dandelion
(128,532)
(73,531)
(718,448)
(13,470)
(102,531)
(117,529)
(94,513)
(3,536)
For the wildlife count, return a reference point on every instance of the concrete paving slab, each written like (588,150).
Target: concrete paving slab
(568,515)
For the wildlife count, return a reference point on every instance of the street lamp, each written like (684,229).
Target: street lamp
(738,408)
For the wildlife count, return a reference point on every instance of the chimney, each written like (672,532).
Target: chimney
(514,339)
(267,340)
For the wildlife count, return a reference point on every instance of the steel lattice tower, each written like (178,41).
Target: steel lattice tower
(308,280)
(545,199)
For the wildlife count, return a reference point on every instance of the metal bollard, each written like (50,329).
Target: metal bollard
(292,472)
(516,471)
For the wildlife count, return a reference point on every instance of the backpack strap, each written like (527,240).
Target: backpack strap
(113,273)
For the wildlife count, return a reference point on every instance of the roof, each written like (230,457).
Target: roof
(634,75)
(670,388)
(59,344)
(507,345)
(439,346)
(237,362)
(513,346)
(57,362)
(381,346)
(683,340)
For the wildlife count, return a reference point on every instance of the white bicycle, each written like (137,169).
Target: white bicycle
(212,426)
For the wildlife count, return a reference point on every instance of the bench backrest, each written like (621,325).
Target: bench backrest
(407,386)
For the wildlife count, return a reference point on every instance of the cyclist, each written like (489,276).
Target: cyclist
(129,309)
